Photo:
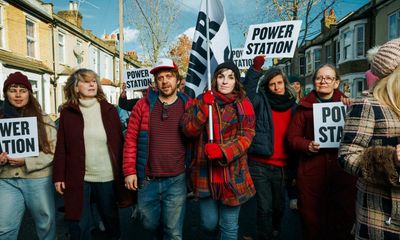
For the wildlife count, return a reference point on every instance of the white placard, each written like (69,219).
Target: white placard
(19,137)
(277,39)
(329,121)
(137,79)
(240,61)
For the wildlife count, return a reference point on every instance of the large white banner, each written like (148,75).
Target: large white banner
(137,79)
(220,47)
(328,123)
(19,137)
(277,39)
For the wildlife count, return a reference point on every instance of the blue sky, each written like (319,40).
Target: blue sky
(101,16)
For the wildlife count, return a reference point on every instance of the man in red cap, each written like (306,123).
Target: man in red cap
(155,153)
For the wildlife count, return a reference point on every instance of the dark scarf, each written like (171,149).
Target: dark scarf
(280,103)
(10,111)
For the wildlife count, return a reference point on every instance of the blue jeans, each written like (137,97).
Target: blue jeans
(163,201)
(106,202)
(37,195)
(213,213)
(269,183)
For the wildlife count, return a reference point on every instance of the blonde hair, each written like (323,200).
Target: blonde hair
(387,91)
(80,75)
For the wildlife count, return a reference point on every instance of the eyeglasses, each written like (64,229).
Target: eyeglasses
(164,114)
(328,79)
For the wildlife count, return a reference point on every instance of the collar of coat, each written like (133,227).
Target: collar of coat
(311,98)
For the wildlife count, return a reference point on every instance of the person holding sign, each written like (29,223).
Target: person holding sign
(26,182)
(274,104)
(156,151)
(219,171)
(326,192)
(370,149)
(88,156)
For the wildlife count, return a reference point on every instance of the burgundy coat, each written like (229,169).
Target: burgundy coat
(69,157)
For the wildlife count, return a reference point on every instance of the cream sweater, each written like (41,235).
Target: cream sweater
(97,158)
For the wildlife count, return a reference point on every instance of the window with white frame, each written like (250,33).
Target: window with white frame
(317,58)
(309,62)
(359,86)
(347,39)
(394,25)
(61,47)
(30,37)
(2,45)
(360,40)
(328,53)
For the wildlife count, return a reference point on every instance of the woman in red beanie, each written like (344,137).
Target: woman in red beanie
(219,172)
(26,182)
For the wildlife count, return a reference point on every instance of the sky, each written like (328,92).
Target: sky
(101,16)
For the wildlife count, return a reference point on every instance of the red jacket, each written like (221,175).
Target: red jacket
(137,136)
(69,157)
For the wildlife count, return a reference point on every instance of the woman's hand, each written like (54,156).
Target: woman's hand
(313,147)
(60,187)
(346,101)
(3,158)
(16,162)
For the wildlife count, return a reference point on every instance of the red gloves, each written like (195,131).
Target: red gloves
(213,151)
(258,62)
(208,99)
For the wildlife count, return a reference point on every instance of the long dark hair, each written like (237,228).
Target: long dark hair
(238,89)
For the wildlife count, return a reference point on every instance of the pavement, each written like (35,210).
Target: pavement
(132,229)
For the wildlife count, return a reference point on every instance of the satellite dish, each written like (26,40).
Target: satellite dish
(78,52)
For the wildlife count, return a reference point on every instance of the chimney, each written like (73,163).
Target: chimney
(328,21)
(72,15)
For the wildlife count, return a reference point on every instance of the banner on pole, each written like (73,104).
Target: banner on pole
(220,47)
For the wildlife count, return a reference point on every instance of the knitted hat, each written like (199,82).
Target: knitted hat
(386,59)
(230,65)
(293,79)
(17,78)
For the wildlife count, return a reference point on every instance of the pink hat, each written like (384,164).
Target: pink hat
(163,63)
(386,59)
(371,78)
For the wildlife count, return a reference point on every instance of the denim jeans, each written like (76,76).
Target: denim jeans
(37,195)
(269,183)
(163,201)
(106,202)
(213,213)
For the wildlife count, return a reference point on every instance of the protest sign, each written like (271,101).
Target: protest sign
(19,137)
(137,79)
(240,61)
(328,123)
(278,39)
